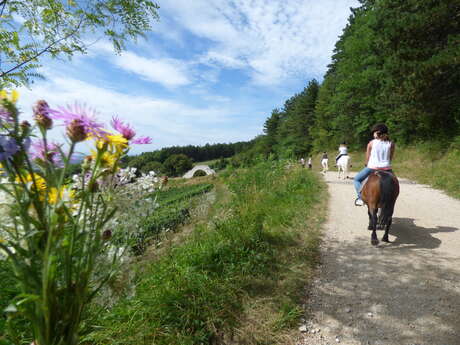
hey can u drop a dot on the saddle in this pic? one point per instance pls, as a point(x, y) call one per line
point(378, 173)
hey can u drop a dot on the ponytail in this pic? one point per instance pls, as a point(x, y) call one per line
point(383, 136)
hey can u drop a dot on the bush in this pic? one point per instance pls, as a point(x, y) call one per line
point(155, 166)
point(220, 164)
point(177, 165)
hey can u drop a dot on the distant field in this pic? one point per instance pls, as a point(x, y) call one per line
point(205, 162)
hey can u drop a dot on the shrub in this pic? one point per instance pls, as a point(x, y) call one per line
point(177, 165)
point(155, 166)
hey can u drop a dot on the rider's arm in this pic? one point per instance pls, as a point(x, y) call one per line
point(368, 151)
point(392, 151)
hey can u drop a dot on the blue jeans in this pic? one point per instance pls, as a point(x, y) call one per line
point(360, 177)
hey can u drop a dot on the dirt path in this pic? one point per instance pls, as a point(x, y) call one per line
point(403, 293)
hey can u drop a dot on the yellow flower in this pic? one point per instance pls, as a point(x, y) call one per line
point(13, 97)
point(116, 143)
point(65, 194)
point(28, 179)
point(107, 159)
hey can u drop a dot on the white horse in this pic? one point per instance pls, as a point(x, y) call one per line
point(342, 166)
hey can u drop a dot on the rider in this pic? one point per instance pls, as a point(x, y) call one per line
point(379, 154)
point(343, 151)
point(324, 161)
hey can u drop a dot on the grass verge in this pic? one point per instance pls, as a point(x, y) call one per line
point(238, 279)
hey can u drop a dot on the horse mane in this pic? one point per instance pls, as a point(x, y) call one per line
point(388, 195)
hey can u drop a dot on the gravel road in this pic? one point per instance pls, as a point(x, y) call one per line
point(406, 292)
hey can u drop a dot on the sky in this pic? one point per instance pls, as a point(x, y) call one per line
point(210, 71)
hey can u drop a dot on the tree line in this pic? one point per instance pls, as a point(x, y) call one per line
point(398, 62)
point(176, 160)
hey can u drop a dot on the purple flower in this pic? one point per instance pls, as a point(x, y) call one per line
point(8, 147)
point(41, 107)
point(84, 117)
point(128, 132)
point(41, 111)
point(142, 140)
point(124, 129)
point(50, 153)
point(5, 115)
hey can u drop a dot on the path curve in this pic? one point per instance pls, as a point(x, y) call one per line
point(403, 293)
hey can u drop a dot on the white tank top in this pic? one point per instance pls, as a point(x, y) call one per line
point(380, 154)
point(343, 150)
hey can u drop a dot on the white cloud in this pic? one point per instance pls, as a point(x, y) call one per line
point(168, 72)
point(273, 39)
point(168, 122)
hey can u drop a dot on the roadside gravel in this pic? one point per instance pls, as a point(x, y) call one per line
point(406, 292)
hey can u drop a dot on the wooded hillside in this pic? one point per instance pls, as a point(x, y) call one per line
point(398, 62)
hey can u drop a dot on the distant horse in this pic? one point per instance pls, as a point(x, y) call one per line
point(342, 166)
point(380, 192)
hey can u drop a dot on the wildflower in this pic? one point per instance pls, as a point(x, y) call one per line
point(86, 165)
point(128, 132)
point(106, 235)
point(41, 111)
point(124, 129)
point(142, 140)
point(25, 125)
point(107, 159)
point(76, 131)
point(12, 97)
point(79, 121)
point(5, 115)
point(29, 178)
point(117, 143)
point(64, 194)
point(8, 147)
point(126, 175)
point(50, 153)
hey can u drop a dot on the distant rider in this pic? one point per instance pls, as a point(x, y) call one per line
point(324, 162)
point(343, 151)
point(379, 154)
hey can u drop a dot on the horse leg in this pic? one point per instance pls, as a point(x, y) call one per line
point(387, 230)
point(374, 239)
point(370, 220)
point(380, 224)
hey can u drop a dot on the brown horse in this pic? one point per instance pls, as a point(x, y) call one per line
point(380, 192)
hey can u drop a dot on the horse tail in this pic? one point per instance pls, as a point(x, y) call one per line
point(388, 193)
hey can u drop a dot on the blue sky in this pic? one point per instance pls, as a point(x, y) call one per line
point(210, 71)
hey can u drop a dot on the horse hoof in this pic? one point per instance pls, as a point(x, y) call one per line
point(374, 241)
point(385, 239)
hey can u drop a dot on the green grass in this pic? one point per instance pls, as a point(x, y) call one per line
point(173, 210)
point(255, 261)
point(440, 169)
point(8, 290)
